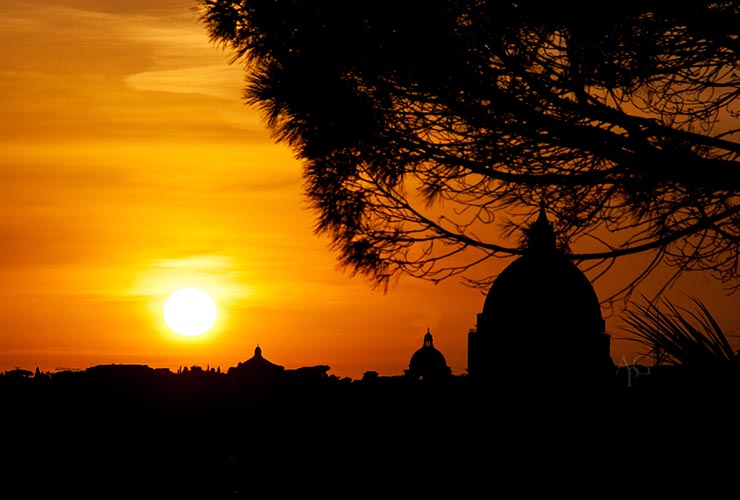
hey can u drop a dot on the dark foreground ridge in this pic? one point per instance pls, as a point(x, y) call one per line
point(130, 431)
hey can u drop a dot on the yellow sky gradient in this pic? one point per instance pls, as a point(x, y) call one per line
point(130, 167)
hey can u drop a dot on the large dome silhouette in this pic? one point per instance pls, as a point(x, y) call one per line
point(540, 314)
point(542, 293)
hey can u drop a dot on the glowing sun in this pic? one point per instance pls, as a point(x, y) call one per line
point(190, 312)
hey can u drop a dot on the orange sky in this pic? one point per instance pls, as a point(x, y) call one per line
point(130, 167)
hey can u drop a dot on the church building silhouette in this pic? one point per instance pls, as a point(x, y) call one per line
point(428, 362)
point(541, 319)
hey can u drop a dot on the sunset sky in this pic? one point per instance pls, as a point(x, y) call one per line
point(130, 167)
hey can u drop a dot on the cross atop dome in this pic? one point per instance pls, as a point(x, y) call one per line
point(540, 235)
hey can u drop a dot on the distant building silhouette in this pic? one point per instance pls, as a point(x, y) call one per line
point(256, 367)
point(541, 318)
point(428, 363)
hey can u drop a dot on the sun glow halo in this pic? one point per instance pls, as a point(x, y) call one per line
point(190, 312)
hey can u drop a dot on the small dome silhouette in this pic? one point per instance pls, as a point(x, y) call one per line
point(256, 367)
point(428, 362)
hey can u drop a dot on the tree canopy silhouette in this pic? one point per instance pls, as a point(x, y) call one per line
point(430, 129)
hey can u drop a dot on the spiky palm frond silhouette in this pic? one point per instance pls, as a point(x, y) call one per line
point(692, 338)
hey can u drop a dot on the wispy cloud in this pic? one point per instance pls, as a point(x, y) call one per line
point(212, 80)
point(161, 50)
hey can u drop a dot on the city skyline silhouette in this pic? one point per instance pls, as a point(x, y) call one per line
point(132, 168)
